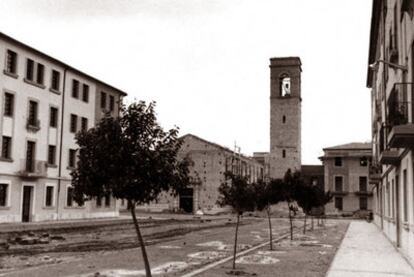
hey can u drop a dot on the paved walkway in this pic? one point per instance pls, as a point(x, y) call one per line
point(366, 252)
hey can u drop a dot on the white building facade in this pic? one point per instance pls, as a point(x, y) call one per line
point(43, 103)
point(391, 78)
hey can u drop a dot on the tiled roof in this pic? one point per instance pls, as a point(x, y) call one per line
point(351, 146)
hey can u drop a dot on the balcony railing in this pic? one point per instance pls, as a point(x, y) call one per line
point(400, 126)
point(32, 168)
point(374, 174)
point(363, 193)
point(33, 124)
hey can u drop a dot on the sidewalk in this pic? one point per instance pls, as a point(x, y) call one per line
point(365, 251)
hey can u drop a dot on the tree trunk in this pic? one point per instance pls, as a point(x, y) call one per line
point(291, 223)
point(235, 241)
point(312, 222)
point(140, 239)
point(270, 228)
point(304, 225)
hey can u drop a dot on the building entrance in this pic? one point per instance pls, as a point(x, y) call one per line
point(27, 203)
point(186, 200)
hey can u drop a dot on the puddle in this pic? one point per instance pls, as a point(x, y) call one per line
point(219, 245)
point(257, 259)
point(216, 244)
point(169, 247)
point(207, 255)
point(161, 269)
point(255, 232)
point(258, 237)
point(274, 252)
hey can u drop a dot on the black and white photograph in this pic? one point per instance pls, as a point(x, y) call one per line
point(206, 138)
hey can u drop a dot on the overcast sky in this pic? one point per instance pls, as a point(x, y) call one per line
point(206, 63)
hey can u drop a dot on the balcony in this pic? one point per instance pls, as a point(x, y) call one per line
point(363, 193)
point(374, 174)
point(32, 169)
point(339, 192)
point(33, 125)
point(389, 157)
point(401, 130)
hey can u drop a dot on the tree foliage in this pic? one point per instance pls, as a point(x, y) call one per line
point(129, 157)
point(237, 192)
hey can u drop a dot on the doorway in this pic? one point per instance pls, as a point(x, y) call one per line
point(186, 200)
point(27, 203)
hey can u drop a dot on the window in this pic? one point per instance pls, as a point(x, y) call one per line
point(51, 155)
point(388, 195)
point(103, 100)
point(11, 62)
point(338, 183)
point(40, 73)
point(284, 119)
point(405, 195)
point(55, 80)
point(98, 201)
point(107, 200)
point(84, 124)
point(6, 147)
point(35, 73)
point(53, 117)
point(73, 123)
point(111, 103)
point(338, 161)
point(32, 119)
point(392, 199)
point(363, 203)
point(363, 183)
point(49, 196)
point(75, 88)
point(8, 104)
point(29, 69)
point(85, 93)
point(69, 197)
point(363, 161)
point(338, 203)
point(284, 153)
point(3, 195)
point(72, 158)
point(284, 86)
point(30, 156)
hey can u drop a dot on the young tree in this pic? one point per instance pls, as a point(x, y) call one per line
point(132, 158)
point(236, 192)
point(307, 199)
point(291, 183)
point(266, 195)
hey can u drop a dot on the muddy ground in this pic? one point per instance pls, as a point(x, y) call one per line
point(175, 247)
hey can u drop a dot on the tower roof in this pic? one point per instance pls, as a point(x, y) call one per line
point(285, 61)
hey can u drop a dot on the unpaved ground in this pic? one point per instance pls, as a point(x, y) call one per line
point(171, 255)
point(182, 248)
point(83, 240)
point(307, 255)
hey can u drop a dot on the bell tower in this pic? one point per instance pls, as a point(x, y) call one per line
point(285, 115)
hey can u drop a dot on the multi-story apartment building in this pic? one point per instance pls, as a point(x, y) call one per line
point(209, 163)
point(390, 77)
point(346, 176)
point(43, 103)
